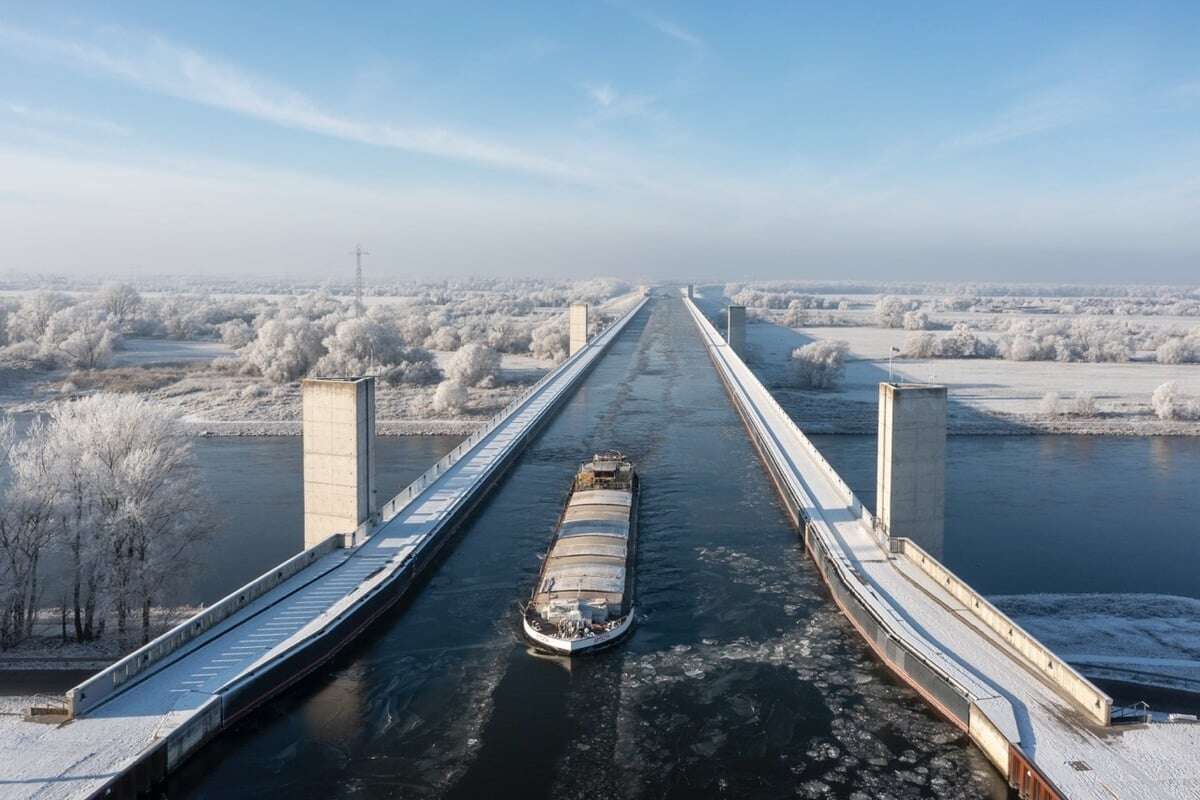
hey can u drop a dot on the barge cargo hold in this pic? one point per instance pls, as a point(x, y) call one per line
point(583, 599)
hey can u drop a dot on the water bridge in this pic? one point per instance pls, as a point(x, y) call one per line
point(1047, 729)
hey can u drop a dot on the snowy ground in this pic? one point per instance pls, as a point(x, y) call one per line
point(1139, 638)
point(220, 402)
point(141, 352)
point(986, 395)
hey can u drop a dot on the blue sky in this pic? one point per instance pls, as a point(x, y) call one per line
point(997, 141)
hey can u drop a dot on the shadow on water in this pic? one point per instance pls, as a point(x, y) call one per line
point(740, 679)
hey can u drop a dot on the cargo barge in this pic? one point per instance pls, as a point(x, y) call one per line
point(583, 599)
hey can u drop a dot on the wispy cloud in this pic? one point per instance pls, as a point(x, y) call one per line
point(33, 115)
point(154, 63)
point(1036, 114)
point(613, 104)
point(674, 31)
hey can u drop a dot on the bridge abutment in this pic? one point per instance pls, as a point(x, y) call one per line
point(911, 464)
point(339, 455)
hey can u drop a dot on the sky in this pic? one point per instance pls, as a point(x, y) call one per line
point(871, 141)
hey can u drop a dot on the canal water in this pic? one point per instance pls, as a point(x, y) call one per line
point(741, 679)
point(1061, 514)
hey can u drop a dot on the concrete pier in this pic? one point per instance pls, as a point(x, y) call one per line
point(579, 327)
point(735, 328)
point(911, 464)
point(339, 456)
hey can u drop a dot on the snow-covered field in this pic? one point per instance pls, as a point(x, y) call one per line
point(222, 390)
point(989, 395)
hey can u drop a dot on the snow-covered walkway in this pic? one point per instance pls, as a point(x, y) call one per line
point(1082, 758)
point(77, 758)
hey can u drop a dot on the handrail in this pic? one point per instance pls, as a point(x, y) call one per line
point(803, 499)
point(414, 489)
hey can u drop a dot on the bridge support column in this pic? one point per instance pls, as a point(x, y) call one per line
point(911, 465)
point(691, 291)
point(339, 455)
point(735, 329)
point(579, 327)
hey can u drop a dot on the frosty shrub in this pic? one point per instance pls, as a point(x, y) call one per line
point(551, 340)
point(474, 365)
point(79, 337)
point(1179, 350)
point(444, 338)
point(416, 368)
point(1082, 405)
point(819, 365)
point(358, 345)
point(916, 321)
point(961, 342)
point(1049, 404)
point(236, 333)
point(508, 336)
point(1169, 403)
point(921, 345)
point(120, 302)
point(450, 397)
point(890, 311)
point(284, 349)
point(28, 322)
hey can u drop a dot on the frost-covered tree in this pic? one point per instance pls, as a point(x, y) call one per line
point(1049, 404)
point(357, 346)
point(474, 365)
point(890, 311)
point(921, 345)
point(916, 321)
point(551, 341)
point(962, 342)
point(28, 322)
point(508, 336)
point(1082, 405)
point(444, 338)
point(450, 397)
point(236, 333)
point(80, 337)
point(285, 349)
point(1169, 402)
point(27, 510)
point(120, 301)
point(819, 365)
point(1179, 350)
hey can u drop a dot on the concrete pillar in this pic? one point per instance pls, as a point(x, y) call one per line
point(735, 328)
point(691, 291)
point(579, 327)
point(339, 455)
point(911, 465)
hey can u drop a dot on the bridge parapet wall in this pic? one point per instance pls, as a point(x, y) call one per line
point(148, 658)
point(1095, 703)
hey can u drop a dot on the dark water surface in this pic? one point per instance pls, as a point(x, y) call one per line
point(1060, 514)
point(740, 680)
point(256, 483)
